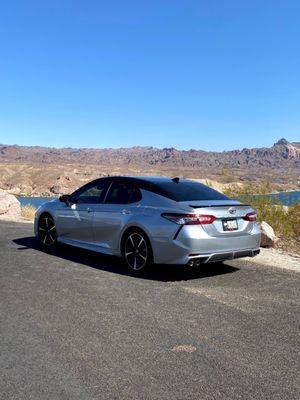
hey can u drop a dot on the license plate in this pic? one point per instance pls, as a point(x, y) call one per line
point(230, 225)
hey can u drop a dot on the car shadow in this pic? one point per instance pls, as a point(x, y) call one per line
point(164, 273)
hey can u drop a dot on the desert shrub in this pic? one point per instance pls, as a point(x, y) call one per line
point(285, 221)
point(294, 218)
point(28, 212)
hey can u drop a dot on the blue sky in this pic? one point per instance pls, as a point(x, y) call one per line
point(211, 75)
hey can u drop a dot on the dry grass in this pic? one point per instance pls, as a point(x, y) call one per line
point(28, 212)
point(284, 220)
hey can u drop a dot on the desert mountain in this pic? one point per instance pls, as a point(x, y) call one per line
point(281, 153)
point(44, 170)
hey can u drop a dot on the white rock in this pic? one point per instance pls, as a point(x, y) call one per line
point(9, 205)
point(268, 237)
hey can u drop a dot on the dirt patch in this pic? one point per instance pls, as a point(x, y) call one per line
point(184, 348)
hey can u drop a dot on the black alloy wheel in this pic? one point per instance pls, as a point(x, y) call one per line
point(47, 231)
point(137, 251)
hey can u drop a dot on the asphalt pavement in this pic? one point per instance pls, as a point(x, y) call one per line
point(77, 325)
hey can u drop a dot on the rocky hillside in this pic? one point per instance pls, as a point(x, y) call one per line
point(281, 154)
point(43, 170)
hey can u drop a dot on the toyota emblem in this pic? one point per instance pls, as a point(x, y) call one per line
point(232, 210)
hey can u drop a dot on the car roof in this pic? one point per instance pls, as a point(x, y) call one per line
point(150, 179)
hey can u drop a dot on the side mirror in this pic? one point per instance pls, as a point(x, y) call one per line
point(64, 198)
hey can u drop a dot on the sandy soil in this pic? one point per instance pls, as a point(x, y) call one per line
point(277, 258)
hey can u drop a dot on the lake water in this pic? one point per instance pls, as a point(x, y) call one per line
point(284, 198)
point(33, 201)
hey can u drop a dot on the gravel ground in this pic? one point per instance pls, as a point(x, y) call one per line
point(277, 259)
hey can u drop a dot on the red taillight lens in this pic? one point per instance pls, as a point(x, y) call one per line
point(252, 217)
point(182, 219)
point(206, 219)
point(189, 219)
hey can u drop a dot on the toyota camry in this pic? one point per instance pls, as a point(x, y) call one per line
point(148, 220)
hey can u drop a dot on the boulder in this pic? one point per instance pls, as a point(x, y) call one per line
point(9, 205)
point(268, 237)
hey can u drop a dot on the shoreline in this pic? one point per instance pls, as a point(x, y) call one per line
point(200, 180)
point(278, 192)
point(276, 197)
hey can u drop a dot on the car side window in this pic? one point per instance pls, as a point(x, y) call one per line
point(92, 194)
point(123, 193)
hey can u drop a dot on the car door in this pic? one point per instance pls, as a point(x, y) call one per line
point(119, 207)
point(75, 218)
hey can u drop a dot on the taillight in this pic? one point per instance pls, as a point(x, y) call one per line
point(206, 219)
point(189, 219)
point(251, 217)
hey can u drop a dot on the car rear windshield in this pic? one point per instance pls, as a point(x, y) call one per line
point(188, 191)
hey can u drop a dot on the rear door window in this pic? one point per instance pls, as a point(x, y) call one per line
point(122, 192)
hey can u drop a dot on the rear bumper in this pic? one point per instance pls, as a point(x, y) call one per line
point(218, 257)
point(194, 244)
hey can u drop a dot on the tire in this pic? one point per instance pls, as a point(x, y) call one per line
point(47, 234)
point(136, 250)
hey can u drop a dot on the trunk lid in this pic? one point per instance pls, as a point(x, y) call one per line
point(223, 211)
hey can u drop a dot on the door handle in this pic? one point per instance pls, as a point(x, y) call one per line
point(125, 211)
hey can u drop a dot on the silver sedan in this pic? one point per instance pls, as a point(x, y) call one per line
point(149, 220)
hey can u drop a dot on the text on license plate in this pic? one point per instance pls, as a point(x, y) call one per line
point(230, 225)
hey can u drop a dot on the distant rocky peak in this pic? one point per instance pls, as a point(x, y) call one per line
point(281, 142)
point(287, 150)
